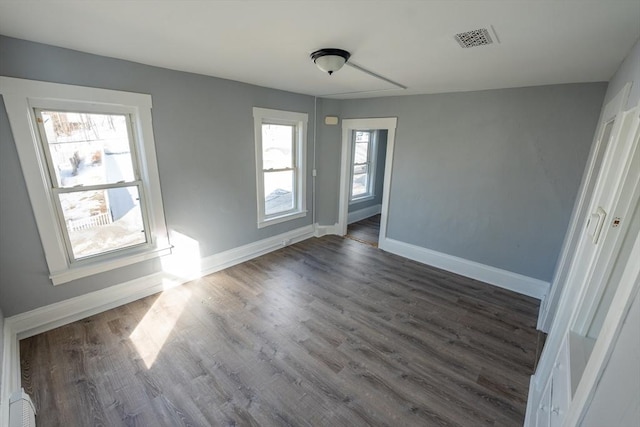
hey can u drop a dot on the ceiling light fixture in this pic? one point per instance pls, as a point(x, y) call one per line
point(330, 60)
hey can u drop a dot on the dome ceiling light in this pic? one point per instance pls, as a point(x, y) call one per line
point(330, 60)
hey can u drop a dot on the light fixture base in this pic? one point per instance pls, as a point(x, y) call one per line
point(330, 60)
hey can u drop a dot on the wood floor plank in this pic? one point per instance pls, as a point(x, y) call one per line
point(366, 230)
point(327, 332)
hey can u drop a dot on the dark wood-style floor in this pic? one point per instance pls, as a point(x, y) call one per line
point(327, 332)
point(366, 230)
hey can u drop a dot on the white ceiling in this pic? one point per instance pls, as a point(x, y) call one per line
point(411, 42)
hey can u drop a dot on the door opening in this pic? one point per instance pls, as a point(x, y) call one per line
point(365, 178)
point(368, 155)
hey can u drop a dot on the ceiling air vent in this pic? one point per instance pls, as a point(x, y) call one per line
point(474, 38)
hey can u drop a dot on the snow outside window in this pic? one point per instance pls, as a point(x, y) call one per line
point(94, 180)
point(280, 138)
point(88, 158)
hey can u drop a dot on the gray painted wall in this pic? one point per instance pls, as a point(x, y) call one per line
point(381, 156)
point(328, 145)
point(203, 130)
point(488, 176)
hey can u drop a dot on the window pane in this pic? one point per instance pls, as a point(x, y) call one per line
point(360, 169)
point(360, 182)
point(103, 220)
point(362, 136)
point(277, 146)
point(278, 190)
point(88, 149)
point(361, 152)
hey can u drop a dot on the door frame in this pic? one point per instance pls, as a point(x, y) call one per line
point(627, 195)
point(623, 167)
point(590, 269)
point(348, 126)
point(550, 305)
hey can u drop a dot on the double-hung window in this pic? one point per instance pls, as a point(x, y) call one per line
point(95, 180)
point(363, 167)
point(280, 138)
point(89, 162)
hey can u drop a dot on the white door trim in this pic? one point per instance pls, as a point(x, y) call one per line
point(42, 319)
point(624, 163)
point(607, 339)
point(550, 304)
point(349, 125)
point(590, 268)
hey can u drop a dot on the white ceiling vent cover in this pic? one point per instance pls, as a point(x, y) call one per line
point(474, 38)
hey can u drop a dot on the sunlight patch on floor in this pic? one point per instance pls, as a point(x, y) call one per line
point(151, 334)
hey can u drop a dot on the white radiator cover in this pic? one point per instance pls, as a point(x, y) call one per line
point(22, 413)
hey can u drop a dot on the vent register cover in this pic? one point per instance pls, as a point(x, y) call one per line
point(474, 38)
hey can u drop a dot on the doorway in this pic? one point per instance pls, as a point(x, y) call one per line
point(364, 199)
point(366, 183)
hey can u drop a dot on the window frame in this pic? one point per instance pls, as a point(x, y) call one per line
point(371, 166)
point(22, 98)
point(56, 189)
point(288, 118)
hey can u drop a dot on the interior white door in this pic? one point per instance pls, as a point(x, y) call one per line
point(615, 200)
point(599, 232)
point(608, 119)
point(601, 251)
point(608, 297)
point(590, 261)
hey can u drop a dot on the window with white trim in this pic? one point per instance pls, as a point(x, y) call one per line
point(280, 138)
point(363, 155)
point(88, 157)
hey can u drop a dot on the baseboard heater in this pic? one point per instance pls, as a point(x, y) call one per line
point(22, 413)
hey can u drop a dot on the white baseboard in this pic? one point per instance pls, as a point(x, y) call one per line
point(45, 318)
point(323, 230)
point(51, 316)
point(529, 417)
point(361, 214)
point(61, 313)
point(244, 253)
point(54, 315)
point(505, 279)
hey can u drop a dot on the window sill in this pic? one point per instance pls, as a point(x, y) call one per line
point(282, 218)
point(78, 272)
point(361, 199)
